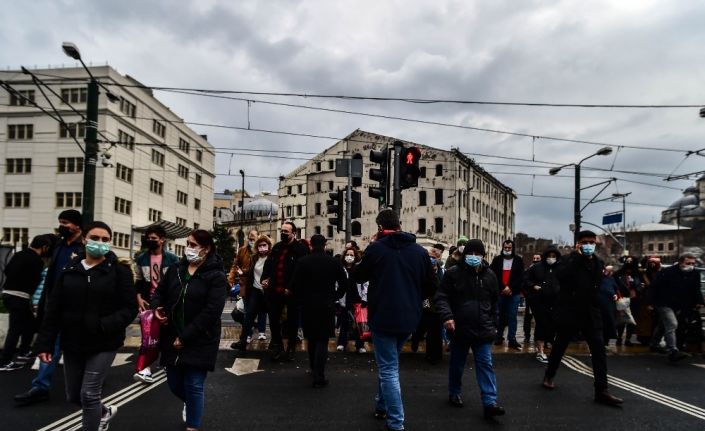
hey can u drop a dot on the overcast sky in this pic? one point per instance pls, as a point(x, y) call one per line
point(558, 52)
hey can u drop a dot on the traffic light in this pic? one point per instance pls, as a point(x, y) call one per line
point(409, 171)
point(334, 206)
point(380, 175)
point(356, 204)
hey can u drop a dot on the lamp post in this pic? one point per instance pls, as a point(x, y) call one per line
point(91, 140)
point(604, 151)
point(624, 216)
point(242, 210)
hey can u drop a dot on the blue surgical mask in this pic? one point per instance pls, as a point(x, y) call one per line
point(588, 249)
point(97, 248)
point(473, 261)
point(433, 261)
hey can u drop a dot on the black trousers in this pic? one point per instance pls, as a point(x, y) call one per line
point(280, 328)
point(429, 327)
point(254, 305)
point(593, 336)
point(22, 326)
point(317, 357)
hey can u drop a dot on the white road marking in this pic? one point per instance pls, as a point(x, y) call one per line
point(121, 359)
point(243, 367)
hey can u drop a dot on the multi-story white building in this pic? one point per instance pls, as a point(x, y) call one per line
point(455, 197)
point(158, 168)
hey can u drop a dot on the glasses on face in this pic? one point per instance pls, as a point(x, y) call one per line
point(99, 238)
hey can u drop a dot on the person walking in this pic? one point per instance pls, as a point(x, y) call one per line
point(578, 308)
point(542, 289)
point(467, 304)
point(355, 293)
point(91, 305)
point(509, 270)
point(22, 276)
point(319, 281)
point(68, 248)
point(400, 276)
point(151, 267)
point(430, 323)
point(609, 294)
point(632, 286)
point(188, 304)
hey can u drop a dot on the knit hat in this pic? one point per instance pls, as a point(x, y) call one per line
point(474, 246)
point(462, 240)
point(73, 216)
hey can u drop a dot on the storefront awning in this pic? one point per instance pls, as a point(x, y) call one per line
point(173, 230)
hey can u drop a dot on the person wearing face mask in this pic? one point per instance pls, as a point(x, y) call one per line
point(455, 253)
point(675, 294)
point(542, 287)
point(254, 302)
point(467, 303)
point(91, 305)
point(22, 276)
point(242, 262)
point(151, 267)
point(68, 248)
point(509, 270)
point(610, 291)
point(188, 304)
point(578, 310)
point(276, 280)
point(631, 285)
point(355, 293)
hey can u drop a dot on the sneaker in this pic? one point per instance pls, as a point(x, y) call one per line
point(262, 337)
point(183, 413)
point(340, 348)
point(11, 366)
point(107, 417)
point(361, 350)
point(23, 358)
point(677, 355)
point(513, 344)
point(249, 339)
point(541, 357)
point(145, 378)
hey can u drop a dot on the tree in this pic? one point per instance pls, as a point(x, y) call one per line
point(224, 242)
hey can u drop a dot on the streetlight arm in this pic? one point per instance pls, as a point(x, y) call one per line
point(605, 231)
point(598, 194)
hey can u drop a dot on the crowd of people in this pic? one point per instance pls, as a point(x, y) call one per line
point(78, 297)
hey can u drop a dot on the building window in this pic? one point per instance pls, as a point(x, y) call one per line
point(159, 128)
point(197, 203)
point(438, 225)
point(670, 246)
point(18, 166)
point(317, 230)
point(121, 240)
point(288, 190)
point(74, 95)
point(439, 197)
point(179, 249)
point(182, 197)
point(300, 188)
point(356, 228)
point(69, 165)
point(330, 185)
point(15, 235)
point(183, 171)
point(156, 186)
point(16, 200)
point(288, 211)
point(180, 221)
point(126, 140)
point(422, 226)
point(124, 173)
point(299, 210)
point(157, 158)
point(123, 206)
point(199, 155)
point(660, 246)
point(330, 232)
point(154, 215)
point(196, 226)
point(422, 198)
point(318, 208)
point(69, 199)
point(423, 172)
point(331, 164)
point(72, 130)
point(439, 170)
point(22, 98)
point(318, 187)
point(184, 145)
point(318, 166)
point(128, 108)
point(198, 179)
point(20, 132)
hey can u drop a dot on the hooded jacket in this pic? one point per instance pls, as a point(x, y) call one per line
point(400, 276)
point(470, 299)
point(544, 275)
point(676, 289)
point(143, 285)
point(89, 307)
point(516, 276)
point(204, 300)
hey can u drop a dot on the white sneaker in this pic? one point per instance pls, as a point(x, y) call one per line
point(183, 413)
point(145, 378)
point(262, 337)
point(107, 417)
point(541, 357)
point(340, 348)
point(361, 350)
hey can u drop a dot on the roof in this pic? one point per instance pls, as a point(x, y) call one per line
point(173, 230)
point(657, 227)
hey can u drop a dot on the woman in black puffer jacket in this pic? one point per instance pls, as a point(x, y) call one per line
point(188, 303)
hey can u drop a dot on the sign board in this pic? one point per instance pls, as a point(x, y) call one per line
point(341, 168)
point(612, 218)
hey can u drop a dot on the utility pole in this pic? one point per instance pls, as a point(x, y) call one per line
point(348, 203)
point(241, 237)
point(91, 156)
point(576, 205)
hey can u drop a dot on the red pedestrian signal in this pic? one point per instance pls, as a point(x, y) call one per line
point(409, 171)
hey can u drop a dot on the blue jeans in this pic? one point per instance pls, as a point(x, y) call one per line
point(508, 309)
point(46, 371)
point(388, 398)
point(187, 383)
point(484, 372)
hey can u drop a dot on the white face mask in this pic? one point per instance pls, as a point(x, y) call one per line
point(687, 268)
point(461, 249)
point(193, 255)
point(350, 259)
point(551, 260)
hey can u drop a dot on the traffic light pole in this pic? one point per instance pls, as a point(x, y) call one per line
point(348, 204)
point(91, 156)
point(398, 146)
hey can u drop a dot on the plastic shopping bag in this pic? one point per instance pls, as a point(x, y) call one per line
point(363, 328)
point(149, 349)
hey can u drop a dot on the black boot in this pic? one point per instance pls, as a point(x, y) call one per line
point(493, 410)
point(32, 396)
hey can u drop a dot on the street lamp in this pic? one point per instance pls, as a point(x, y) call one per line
point(604, 151)
point(91, 140)
point(242, 209)
point(623, 196)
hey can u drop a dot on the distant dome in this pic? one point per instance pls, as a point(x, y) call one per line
point(261, 207)
point(688, 199)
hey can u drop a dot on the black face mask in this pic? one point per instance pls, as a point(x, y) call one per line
point(152, 244)
point(65, 232)
point(284, 237)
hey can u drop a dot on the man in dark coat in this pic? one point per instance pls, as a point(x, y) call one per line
point(580, 277)
point(509, 270)
point(319, 280)
point(400, 276)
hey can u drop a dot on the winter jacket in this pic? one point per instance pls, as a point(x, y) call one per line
point(203, 302)
point(400, 276)
point(71, 251)
point(470, 299)
point(89, 307)
point(516, 276)
point(243, 262)
point(294, 251)
point(544, 275)
point(580, 280)
point(23, 273)
point(676, 289)
point(143, 285)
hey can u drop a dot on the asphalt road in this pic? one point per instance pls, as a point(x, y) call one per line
point(657, 396)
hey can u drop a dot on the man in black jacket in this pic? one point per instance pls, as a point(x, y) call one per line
point(580, 276)
point(314, 287)
point(276, 281)
point(509, 270)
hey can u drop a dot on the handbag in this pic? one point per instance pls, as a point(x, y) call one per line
point(363, 328)
point(149, 349)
